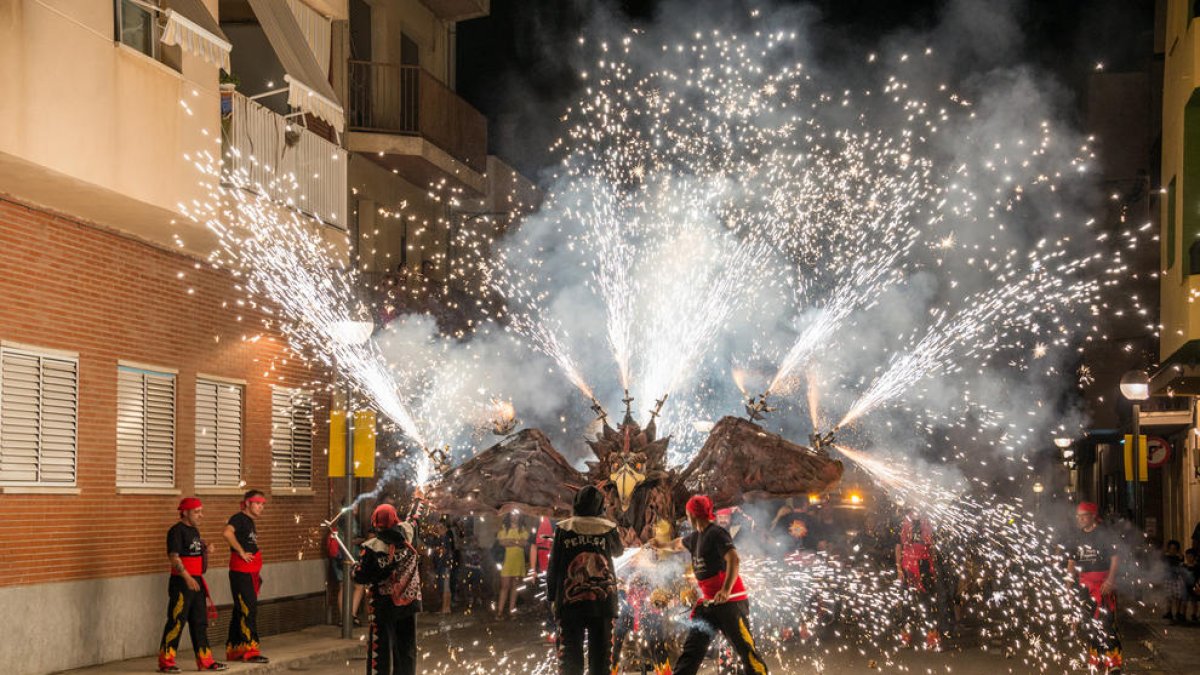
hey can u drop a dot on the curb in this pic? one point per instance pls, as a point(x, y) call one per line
point(337, 654)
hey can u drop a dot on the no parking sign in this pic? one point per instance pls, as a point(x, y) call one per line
point(1158, 452)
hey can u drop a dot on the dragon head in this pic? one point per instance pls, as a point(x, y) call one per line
point(629, 455)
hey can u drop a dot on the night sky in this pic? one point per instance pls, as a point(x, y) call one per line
point(514, 64)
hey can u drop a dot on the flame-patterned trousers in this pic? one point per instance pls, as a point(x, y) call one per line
point(185, 607)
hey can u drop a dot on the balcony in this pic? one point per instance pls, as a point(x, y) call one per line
point(458, 10)
point(265, 147)
point(406, 120)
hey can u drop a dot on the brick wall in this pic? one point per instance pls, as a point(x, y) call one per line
point(70, 286)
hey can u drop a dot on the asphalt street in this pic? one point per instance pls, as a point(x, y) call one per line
point(470, 645)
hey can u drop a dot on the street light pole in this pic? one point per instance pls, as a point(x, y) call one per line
point(348, 522)
point(349, 333)
point(1137, 464)
point(1135, 386)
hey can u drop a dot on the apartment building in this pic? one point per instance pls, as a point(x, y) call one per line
point(1177, 381)
point(129, 374)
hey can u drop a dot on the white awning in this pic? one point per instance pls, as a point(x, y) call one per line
point(316, 30)
point(301, 97)
point(189, 25)
point(308, 88)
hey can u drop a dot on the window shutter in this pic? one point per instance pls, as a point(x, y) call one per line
point(291, 437)
point(145, 428)
point(281, 437)
point(60, 389)
point(302, 440)
point(218, 433)
point(38, 397)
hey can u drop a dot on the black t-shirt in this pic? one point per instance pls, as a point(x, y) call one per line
point(245, 532)
point(1092, 551)
point(185, 541)
point(708, 549)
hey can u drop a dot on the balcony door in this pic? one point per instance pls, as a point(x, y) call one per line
point(410, 73)
point(364, 105)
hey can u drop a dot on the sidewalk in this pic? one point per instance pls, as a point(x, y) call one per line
point(1172, 650)
point(319, 644)
point(289, 651)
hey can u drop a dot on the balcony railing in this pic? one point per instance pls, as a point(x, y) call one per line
point(385, 97)
point(264, 149)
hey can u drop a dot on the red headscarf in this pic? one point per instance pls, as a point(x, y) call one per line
point(189, 503)
point(1088, 507)
point(385, 517)
point(700, 506)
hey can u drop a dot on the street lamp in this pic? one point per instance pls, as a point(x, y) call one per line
point(350, 333)
point(1062, 442)
point(1037, 490)
point(1135, 386)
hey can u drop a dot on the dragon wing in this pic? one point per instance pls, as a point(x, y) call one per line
point(523, 472)
point(741, 461)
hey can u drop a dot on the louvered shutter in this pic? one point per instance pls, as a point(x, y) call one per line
point(38, 414)
point(281, 437)
point(60, 387)
point(302, 440)
point(145, 428)
point(218, 433)
point(291, 437)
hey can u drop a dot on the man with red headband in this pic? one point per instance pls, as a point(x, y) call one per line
point(389, 566)
point(915, 569)
point(1092, 561)
point(245, 568)
point(189, 600)
point(726, 605)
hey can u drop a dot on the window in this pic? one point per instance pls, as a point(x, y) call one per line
point(1171, 226)
point(145, 427)
point(291, 437)
point(218, 432)
point(39, 392)
point(1188, 198)
point(137, 26)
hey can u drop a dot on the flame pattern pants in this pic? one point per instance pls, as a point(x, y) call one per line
point(571, 629)
point(185, 606)
point(242, 642)
point(1104, 644)
point(732, 619)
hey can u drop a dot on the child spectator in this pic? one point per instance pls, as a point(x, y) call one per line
point(1177, 584)
point(1191, 566)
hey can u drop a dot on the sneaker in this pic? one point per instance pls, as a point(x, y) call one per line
point(168, 669)
point(258, 658)
point(215, 666)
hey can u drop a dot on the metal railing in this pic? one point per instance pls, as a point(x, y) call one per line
point(389, 98)
point(284, 160)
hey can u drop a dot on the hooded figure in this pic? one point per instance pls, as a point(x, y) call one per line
point(389, 566)
point(581, 584)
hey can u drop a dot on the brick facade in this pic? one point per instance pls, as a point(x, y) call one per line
point(71, 286)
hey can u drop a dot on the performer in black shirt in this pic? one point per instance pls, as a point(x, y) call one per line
point(581, 584)
point(1092, 560)
point(245, 579)
point(389, 564)
point(188, 593)
point(726, 606)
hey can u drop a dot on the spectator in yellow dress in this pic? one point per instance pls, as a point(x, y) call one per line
point(513, 538)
